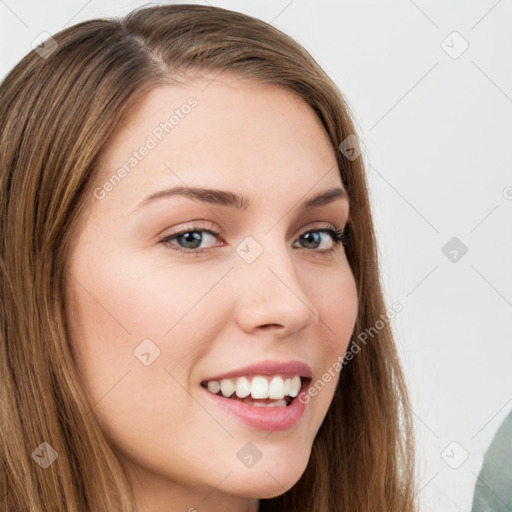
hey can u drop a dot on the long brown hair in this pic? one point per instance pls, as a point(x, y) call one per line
point(58, 107)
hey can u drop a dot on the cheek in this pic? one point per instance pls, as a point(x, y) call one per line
point(116, 304)
point(115, 310)
point(338, 308)
point(129, 298)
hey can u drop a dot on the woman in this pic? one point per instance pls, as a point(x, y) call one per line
point(192, 314)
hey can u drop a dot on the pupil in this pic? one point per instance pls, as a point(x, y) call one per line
point(191, 237)
point(316, 236)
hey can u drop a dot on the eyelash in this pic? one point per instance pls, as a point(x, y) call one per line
point(338, 236)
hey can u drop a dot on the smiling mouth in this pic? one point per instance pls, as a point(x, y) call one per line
point(260, 391)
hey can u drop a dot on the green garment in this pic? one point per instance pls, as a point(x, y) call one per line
point(493, 489)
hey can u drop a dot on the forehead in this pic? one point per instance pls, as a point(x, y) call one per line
point(218, 131)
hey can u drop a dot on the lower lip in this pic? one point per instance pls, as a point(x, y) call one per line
point(269, 419)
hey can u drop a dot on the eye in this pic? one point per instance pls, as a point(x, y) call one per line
point(189, 241)
point(337, 236)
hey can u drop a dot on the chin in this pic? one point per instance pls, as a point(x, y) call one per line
point(267, 482)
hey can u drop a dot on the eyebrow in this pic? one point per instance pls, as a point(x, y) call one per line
point(232, 200)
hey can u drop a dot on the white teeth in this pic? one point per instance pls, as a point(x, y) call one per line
point(260, 387)
point(214, 386)
point(287, 386)
point(276, 388)
point(243, 387)
point(227, 386)
point(278, 403)
point(295, 386)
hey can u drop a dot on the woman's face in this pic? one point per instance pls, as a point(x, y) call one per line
point(153, 316)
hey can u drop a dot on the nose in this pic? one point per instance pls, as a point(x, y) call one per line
point(273, 295)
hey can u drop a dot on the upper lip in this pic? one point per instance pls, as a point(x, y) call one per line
point(285, 368)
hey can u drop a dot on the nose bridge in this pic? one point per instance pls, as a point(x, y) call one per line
point(272, 292)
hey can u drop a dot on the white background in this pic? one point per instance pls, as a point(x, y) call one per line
point(437, 131)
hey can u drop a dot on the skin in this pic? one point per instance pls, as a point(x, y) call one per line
point(211, 312)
